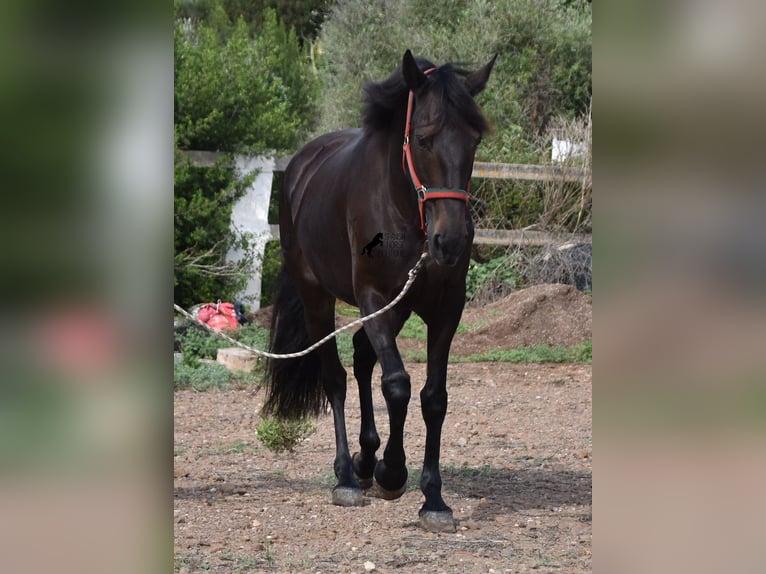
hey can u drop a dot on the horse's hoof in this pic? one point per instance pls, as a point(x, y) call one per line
point(347, 496)
point(437, 521)
point(365, 483)
point(378, 491)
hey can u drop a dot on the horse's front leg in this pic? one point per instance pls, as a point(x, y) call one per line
point(435, 515)
point(390, 471)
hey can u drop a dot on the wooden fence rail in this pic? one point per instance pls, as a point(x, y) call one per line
point(486, 170)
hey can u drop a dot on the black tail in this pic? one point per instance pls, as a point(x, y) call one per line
point(294, 389)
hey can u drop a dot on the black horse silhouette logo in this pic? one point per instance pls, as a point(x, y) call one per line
point(377, 240)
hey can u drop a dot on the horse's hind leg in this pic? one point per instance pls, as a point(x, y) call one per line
point(320, 321)
point(364, 362)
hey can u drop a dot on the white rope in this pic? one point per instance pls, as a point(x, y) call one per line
point(411, 274)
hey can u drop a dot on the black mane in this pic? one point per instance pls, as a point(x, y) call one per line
point(384, 100)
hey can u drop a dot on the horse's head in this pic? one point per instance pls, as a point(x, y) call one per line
point(444, 130)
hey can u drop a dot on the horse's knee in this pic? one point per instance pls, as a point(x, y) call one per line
point(433, 404)
point(396, 388)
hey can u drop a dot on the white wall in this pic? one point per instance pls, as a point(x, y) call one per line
point(250, 215)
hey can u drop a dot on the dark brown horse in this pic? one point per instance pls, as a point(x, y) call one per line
point(356, 212)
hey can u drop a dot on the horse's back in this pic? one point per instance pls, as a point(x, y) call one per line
point(305, 169)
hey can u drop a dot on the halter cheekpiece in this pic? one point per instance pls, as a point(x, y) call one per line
point(424, 193)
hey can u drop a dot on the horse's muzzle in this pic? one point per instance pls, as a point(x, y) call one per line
point(446, 249)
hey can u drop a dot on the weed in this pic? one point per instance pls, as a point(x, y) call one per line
point(267, 552)
point(282, 435)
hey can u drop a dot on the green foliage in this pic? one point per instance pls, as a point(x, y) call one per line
point(270, 266)
point(235, 93)
point(198, 343)
point(497, 273)
point(543, 68)
point(305, 16)
point(209, 376)
point(282, 435)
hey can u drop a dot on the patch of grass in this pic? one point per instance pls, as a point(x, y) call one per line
point(237, 447)
point(468, 471)
point(346, 310)
point(241, 564)
point(533, 354)
point(282, 435)
point(345, 342)
point(414, 328)
point(542, 353)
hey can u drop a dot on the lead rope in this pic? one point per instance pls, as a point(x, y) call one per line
point(411, 275)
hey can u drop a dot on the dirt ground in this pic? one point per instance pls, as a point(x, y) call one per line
point(516, 467)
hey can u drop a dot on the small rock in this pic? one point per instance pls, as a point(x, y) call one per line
point(369, 566)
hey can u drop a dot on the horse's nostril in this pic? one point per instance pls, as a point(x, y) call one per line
point(437, 240)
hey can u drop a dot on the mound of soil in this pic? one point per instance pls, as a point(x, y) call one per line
point(551, 313)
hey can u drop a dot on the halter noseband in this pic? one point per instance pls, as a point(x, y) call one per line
point(424, 194)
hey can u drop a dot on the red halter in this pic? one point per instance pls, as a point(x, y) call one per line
point(424, 194)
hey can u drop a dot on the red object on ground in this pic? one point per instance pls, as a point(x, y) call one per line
point(219, 316)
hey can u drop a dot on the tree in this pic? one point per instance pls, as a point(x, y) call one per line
point(237, 93)
point(543, 69)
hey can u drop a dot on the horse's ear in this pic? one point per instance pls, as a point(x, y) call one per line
point(413, 76)
point(477, 81)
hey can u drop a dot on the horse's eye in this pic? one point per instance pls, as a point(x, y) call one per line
point(424, 142)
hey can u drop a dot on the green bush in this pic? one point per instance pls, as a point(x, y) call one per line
point(237, 93)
